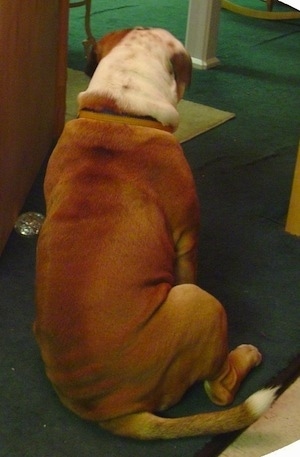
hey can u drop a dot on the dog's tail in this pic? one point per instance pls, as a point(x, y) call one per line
point(147, 426)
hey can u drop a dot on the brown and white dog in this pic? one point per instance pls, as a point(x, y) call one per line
point(123, 330)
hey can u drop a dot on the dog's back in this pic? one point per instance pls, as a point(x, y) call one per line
point(123, 329)
point(106, 252)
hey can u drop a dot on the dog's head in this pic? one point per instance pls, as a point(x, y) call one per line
point(180, 63)
point(103, 47)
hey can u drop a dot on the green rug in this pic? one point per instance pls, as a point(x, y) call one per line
point(243, 171)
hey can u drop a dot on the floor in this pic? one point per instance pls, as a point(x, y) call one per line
point(279, 427)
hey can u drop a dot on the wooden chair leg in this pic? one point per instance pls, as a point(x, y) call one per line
point(90, 40)
point(259, 13)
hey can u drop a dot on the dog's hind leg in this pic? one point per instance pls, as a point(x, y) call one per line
point(223, 387)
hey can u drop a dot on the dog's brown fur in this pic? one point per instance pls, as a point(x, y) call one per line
point(122, 328)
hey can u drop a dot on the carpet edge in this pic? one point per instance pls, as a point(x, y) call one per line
point(283, 378)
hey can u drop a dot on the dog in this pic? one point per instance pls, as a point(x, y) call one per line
point(122, 327)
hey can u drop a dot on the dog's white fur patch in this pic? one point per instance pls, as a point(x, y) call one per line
point(260, 401)
point(138, 73)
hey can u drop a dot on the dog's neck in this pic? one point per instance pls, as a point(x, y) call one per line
point(140, 89)
point(110, 116)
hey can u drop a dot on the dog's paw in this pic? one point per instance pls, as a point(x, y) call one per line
point(222, 389)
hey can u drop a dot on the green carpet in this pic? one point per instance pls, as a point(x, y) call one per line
point(243, 171)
